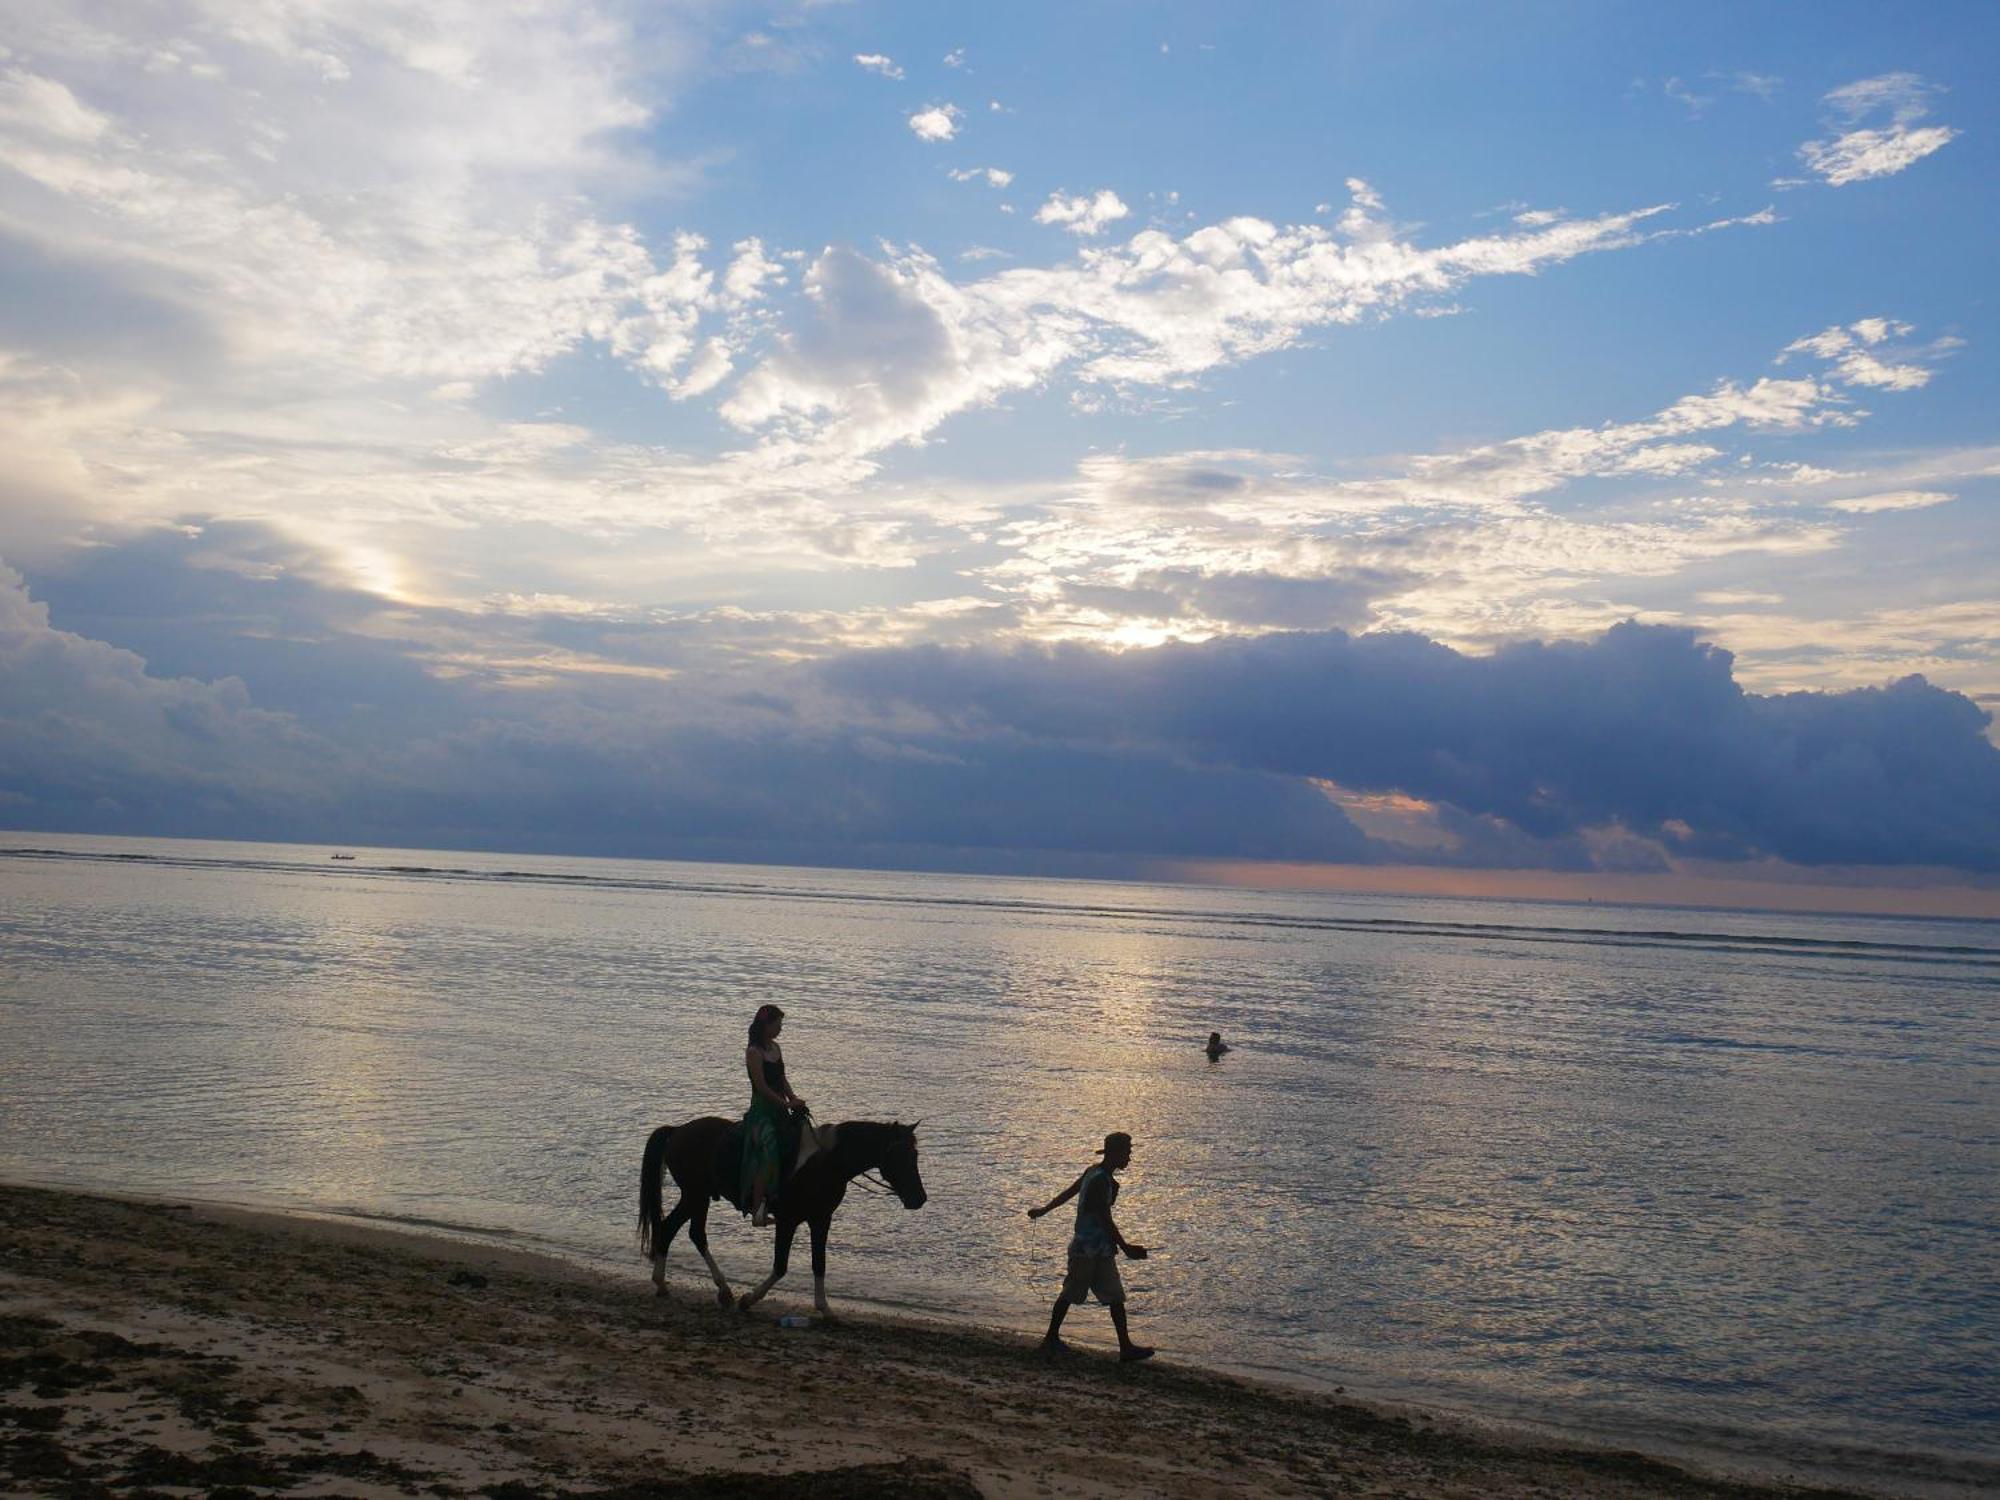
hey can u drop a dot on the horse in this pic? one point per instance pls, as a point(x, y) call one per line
point(810, 1196)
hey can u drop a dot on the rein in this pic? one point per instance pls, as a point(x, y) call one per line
point(868, 1179)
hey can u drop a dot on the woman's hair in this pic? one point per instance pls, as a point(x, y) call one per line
point(766, 1014)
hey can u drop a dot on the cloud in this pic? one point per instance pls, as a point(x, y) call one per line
point(1860, 153)
point(1764, 85)
point(1156, 311)
point(1681, 94)
point(955, 58)
point(1641, 728)
point(1080, 214)
point(1892, 500)
point(361, 195)
point(275, 700)
point(937, 123)
point(36, 106)
point(88, 737)
point(875, 62)
point(994, 176)
point(591, 762)
point(1852, 349)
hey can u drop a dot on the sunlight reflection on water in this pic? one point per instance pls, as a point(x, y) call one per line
point(1746, 1179)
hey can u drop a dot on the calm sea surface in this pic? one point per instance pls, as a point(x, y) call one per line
point(1724, 1177)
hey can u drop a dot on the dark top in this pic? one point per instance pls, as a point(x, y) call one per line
point(774, 1076)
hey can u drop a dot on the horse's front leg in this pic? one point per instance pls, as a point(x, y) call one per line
point(698, 1232)
point(819, 1229)
point(781, 1255)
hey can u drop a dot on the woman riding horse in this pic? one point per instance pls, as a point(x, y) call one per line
point(765, 1122)
point(696, 1157)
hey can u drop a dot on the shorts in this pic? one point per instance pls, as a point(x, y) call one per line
point(1093, 1275)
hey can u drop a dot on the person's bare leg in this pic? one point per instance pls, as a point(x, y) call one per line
point(1127, 1350)
point(1054, 1337)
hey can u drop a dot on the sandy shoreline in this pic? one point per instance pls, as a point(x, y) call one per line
point(171, 1348)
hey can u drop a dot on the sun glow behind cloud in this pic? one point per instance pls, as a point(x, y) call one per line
point(500, 365)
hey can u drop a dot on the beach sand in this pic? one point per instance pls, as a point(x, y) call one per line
point(165, 1348)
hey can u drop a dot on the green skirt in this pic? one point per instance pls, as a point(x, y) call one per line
point(762, 1138)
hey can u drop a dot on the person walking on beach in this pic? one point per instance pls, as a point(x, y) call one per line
point(1094, 1248)
point(765, 1123)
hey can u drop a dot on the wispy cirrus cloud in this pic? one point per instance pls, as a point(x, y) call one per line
point(1861, 152)
point(876, 63)
point(895, 346)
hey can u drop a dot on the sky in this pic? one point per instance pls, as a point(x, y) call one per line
point(1535, 447)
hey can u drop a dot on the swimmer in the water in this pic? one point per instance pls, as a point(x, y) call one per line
point(1216, 1045)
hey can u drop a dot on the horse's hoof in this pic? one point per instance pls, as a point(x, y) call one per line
point(659, 1289)
point(743, 1303)
point(724, 1298)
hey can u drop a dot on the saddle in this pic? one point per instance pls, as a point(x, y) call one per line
point(726, 1170)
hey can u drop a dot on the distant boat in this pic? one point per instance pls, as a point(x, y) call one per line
point(342, 856)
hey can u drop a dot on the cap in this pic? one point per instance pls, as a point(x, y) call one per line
point(1115, 1141)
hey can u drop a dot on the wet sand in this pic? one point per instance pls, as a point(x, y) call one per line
point(164, 1349)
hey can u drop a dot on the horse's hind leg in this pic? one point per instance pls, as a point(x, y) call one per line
point(698, 1232)
point(669, 1227)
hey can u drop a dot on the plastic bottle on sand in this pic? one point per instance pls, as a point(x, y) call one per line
point(795, 1320)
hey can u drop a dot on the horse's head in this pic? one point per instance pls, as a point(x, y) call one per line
point(899, 1165)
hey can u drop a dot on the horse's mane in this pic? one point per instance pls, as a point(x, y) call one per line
point(869, 1133)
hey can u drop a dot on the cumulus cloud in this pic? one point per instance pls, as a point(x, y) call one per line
point(875, 62)
point(1862, 152)
point(937, 123)
point(1083, 214)
point(1642, 728)
point(994, 176)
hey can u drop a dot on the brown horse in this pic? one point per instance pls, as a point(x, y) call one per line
point(695, 1155)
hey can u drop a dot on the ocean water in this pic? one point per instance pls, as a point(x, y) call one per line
point(1726, 1179)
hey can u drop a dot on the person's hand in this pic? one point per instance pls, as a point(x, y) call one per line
point(800, 1105)
point(1036, 1213)
point(1135, 1252)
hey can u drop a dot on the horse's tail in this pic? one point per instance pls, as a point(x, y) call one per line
point(651, 1167)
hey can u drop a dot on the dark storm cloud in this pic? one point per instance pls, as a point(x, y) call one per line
point(1644, 727)
point(370, 746)
point(219, 679)
point(236, 599)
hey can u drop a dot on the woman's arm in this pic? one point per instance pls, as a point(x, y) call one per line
point(1059, 1200)
point(790, 1098)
